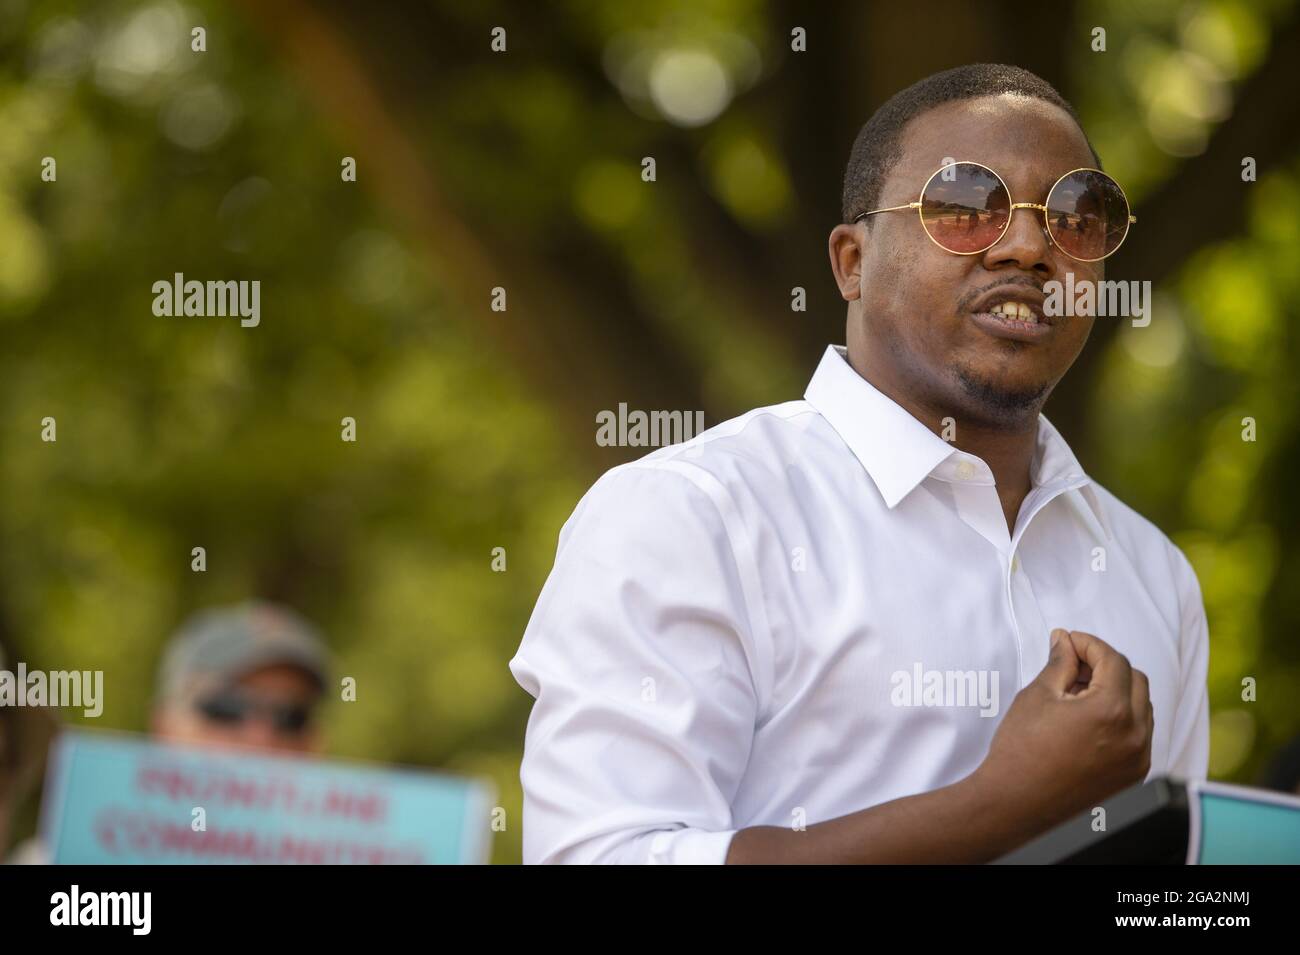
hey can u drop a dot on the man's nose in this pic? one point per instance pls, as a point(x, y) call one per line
point(1025, 244)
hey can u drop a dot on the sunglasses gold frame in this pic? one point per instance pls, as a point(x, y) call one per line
point(1047, 229)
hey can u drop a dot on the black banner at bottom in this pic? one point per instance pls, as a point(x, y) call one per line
point(212, 904)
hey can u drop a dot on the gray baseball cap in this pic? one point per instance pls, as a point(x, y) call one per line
point(216, 647)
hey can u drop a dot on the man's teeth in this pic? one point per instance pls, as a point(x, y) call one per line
point(1016, 311)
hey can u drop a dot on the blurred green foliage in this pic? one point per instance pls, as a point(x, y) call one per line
point(473, 426)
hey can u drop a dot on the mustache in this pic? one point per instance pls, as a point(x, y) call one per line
point(968, 300)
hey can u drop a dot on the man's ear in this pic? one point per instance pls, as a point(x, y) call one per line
point(845, 246)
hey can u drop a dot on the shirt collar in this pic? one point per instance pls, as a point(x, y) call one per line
point(899, 452)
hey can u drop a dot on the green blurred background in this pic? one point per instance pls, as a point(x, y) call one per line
point(475, 427)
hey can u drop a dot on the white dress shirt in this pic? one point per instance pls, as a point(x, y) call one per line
point(815, 608)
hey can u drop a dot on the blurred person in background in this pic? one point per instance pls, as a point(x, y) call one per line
point(251, 675)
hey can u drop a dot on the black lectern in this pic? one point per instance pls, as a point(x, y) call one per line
point(1166, 821)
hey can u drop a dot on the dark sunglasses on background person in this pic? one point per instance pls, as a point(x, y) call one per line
point(966, 208)
point(233, 708)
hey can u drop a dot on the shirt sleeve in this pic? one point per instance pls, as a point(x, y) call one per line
point(640, 658)
point(1190, 743)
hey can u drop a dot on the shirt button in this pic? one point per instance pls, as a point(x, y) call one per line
point(965, 470)
point(1015, 563)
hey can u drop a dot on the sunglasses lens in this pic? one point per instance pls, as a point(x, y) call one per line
point(291, 719)
point(1087, 214)
point(224, 709)
point(965, 207)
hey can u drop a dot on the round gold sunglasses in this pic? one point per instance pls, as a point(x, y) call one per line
point(966, 208)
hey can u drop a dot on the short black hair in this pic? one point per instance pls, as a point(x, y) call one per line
point(879, 142)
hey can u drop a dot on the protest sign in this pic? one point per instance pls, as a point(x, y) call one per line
point(1241, 825)
point(115, 798)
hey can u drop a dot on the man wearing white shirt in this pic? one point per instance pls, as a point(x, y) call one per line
point(894, 621)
